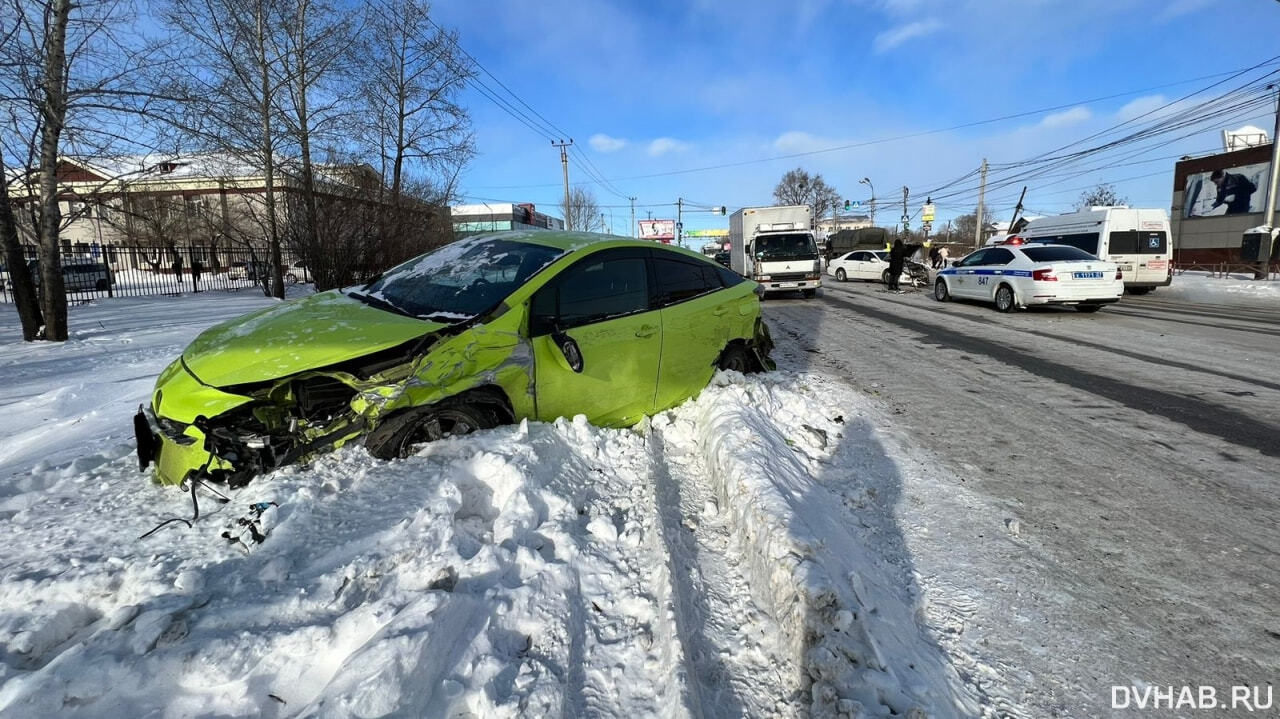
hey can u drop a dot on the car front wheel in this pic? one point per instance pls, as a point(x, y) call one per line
point(1004, 299)
point(401, 435)
point(840, 275)
point(940, 292)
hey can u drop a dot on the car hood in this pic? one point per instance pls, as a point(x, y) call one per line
point(285, 339)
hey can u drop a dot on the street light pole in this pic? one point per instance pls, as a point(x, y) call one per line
point(867, 181)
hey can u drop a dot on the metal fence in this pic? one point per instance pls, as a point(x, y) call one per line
point(135, 271)
point(1227, 269)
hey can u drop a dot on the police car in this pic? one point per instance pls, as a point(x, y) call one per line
point(1013, 275)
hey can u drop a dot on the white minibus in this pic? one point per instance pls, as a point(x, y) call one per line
point(1137, 240)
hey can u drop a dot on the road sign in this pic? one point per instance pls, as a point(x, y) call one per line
point(926, 213)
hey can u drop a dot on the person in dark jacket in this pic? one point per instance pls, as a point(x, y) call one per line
point(1234, 186)
point(897, 256)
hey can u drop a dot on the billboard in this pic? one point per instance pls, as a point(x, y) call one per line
point(1234, 191)
point(660, 230)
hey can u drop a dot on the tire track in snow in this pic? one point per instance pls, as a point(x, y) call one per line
point(731, 661)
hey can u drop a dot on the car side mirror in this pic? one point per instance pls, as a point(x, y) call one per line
point(569, 348)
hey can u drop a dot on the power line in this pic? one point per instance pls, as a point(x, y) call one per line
point(896, 138)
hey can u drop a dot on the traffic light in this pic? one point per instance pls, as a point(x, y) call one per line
point(846, 205)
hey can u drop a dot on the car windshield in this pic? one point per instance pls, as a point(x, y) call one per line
point(457, 281)
point(1057, 254)
point(785, 247)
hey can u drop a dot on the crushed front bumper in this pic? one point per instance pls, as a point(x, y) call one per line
point(175, 455)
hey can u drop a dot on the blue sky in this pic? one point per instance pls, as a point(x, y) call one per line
point(656, 88)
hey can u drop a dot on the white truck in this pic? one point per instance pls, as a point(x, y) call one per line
point(775, 247)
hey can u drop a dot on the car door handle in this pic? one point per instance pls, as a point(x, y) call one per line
point(720, 311)
point(646, 331)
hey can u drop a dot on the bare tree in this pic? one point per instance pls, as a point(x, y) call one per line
point(70, 83)
point(965, 226)
point(1103, 195)
point(798, 187)
point(24, 289)
point(316, 41)
point(583, 212)
point(415, 71)
point(230, 85)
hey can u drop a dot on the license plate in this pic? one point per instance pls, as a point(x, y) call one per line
point(1087, 275)
point(788, 284)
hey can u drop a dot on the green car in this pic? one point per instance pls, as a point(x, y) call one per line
point(484, 331)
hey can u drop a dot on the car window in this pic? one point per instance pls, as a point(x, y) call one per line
point(459, 280)
point(678, 280)
point(596, 289)
point(977, 258)
point(728, 278)
point(997, 256)
point(1056, 254)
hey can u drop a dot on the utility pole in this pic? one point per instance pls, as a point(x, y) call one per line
point(982, 191)
point(564, 163)
point(679, 219)
point(633, 216)
point(906, 219)
point(1269, 214)
point(1017, 210)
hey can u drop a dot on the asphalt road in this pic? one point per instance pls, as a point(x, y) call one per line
point(1138, 450)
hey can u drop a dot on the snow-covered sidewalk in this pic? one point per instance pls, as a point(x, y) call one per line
point(768, 549)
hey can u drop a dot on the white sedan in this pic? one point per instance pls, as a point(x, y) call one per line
point(861, 265)
point(1014, 276)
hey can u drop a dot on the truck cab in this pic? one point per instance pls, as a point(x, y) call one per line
point(775, 247)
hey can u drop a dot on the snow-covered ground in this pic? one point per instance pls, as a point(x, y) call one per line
point(776, 547)
point(1201, 287)
point(738, 555)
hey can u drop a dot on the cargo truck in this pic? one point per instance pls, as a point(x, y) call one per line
point(775, 247)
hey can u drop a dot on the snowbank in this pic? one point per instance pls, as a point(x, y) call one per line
point(524, 571)
point(1236, 290)
point(841, 591)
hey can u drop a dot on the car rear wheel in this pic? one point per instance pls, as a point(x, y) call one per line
point(1088, 308)
point(1138, 290)
point(400, 435)
point(940, 292)
point(737, 358)
point(1004, 299)
point(840, 275)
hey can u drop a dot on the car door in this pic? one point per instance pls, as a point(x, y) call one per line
point(600, 308)
point(967, 273)
point(696, 322)
point(995, 266)
point(869, 266)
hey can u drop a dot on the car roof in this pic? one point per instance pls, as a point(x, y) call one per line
point(579, 241)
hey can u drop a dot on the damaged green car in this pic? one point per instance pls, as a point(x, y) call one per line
point(481, 332)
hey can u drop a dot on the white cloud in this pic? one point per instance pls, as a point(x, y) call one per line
point(603, 143)
point(1183, 7)
point(1141, 106)
point(1073, 116)
point(663, 145)
point(794, 141)
point(894, 37)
